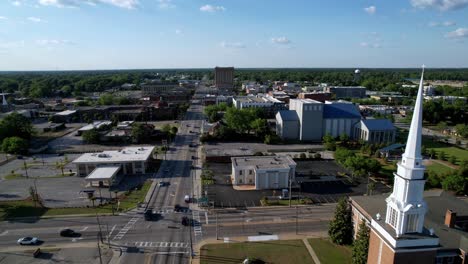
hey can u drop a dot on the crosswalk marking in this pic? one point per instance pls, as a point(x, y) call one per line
point(148, 244)
point(125, 229)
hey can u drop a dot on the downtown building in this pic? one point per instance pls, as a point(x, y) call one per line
point(224, 78)
point(410, 225)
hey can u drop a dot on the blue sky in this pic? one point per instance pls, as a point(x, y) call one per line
point(134, 34)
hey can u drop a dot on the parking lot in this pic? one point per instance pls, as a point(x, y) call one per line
point(54, 189)
point(309, 184)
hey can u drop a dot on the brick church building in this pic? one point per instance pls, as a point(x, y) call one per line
point(410, 225)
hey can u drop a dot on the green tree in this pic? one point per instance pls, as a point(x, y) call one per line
point(432, 153)
point(60, 165)
point(166, 129)
point(91, 136)
point(441, 155)
point(361, 245)
point(453, 159)
point(106, 99)
point(340, 228)
point(16, 125)
point(140, 133)
point(341, 154)
point(454, 182)
point(329, 142)
point(15, 145)
point(174, 130)
point(260, 127)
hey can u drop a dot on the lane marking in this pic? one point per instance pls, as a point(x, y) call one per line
point(4, 233)
point(84, 229)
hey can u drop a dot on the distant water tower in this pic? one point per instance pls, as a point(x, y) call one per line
point(357, 75)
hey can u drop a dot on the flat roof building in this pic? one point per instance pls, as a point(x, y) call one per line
point(130, 160)
point(263, 172)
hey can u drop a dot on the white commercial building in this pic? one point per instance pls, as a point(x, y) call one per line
point(263, 172)
point(130, 160)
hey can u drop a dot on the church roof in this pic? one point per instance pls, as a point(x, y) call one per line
point(438, 203)
point(378, 124)
point(341, 110)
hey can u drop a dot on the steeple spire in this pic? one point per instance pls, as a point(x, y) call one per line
point(413, 145)
point(405, 206)
point(4, 102)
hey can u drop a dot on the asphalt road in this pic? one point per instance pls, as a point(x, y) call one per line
point(166, 240)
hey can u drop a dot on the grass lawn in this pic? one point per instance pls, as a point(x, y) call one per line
point(285, 251)
point(438, 168)
point(449, 150)
point(26, 208)
point(286, 202)
point(13, 176)
point(329, 253)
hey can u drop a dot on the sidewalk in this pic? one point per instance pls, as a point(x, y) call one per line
point(241, 239)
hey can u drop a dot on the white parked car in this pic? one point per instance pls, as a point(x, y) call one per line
point(28, 241)
point(187, 198)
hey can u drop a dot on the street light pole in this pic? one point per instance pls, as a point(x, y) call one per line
point(297, 220)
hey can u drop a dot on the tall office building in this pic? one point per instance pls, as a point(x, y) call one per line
point(224, 77)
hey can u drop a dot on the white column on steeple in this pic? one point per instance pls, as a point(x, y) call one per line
point(405, 206)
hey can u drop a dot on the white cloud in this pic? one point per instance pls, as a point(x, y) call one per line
point(370, 10)
point(166, 4)
point(3, 18)
point(233, 45)
point(178, 32)
point(16, 3)
point(442, 24)
point(458, 33)
point(370, 45)
point(128, 4)
point(443, 5)
point(12, 44)
point(281, 40)
point(49, 42)
point(212, 9)
point(60, 3)
point(36, 19)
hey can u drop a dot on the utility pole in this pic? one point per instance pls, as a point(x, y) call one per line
point(99, 237)
point(297, 220)
point(290, 183)
point(217, 226)
point(26, 168)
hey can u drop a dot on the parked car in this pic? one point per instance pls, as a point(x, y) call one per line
point(186, 221)
point(177, 208)
point(68, 233)
point(28, 241)
point(187, 198)
point(162, 184)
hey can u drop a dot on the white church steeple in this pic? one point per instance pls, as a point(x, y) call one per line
point(405, 206)
point(4, 101)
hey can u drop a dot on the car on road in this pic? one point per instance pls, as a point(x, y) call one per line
point(28, 241)
point(177, 208)
point(150, 215)
point(187, 198)
point(68, 233)
point(186, 221)
point(163, 184)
